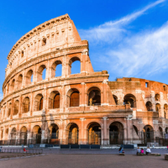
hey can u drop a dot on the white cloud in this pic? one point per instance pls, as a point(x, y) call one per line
point(137, 54)
point(145, 53)
point(113, 30)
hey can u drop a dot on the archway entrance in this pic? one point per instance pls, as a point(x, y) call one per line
point(37, 134)
point(94, 133)
point(148, 134)
point(116, 133)
point(23, 135)
point(73, 134)
point(54, 134)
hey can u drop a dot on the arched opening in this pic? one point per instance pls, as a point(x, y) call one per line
point(165, 110)
point(29, 77)
point(54, 100)
point(149, 106)
point(13, 134)
point(115, 99)
point(1, 134)
point(56, 69)
point(157, 97)
point(148, 134)
point(94, 133)
point(130, 99)
point(160, 132)
point(16, 107)
point(41, 74)
point(13, 85)
point(37, 134)
point(6, 134)
point(74, 98)
point(135, 129)
point(116, 133)
point(74, 64)
point(158, 108)
point(23, 135)
point(94, 96)
point(39, 102)
point(26, 105)
point(166, 130)
point(44, 41)
point(9, 109)
point(20, 80)
point(54, 133)
point(73, 133)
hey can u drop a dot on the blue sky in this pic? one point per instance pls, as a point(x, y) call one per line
point(127, 38)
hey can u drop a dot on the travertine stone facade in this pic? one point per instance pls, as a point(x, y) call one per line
point(74, 108)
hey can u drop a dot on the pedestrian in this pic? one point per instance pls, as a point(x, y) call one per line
point(167, 147)
point(138, 150)
point(142, 151)
point(148, 151)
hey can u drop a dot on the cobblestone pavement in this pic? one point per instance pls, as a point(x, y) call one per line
point(56, 158)
point(86, 161)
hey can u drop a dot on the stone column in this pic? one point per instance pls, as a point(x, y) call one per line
point(82, 97)
point(81, 135)
point(44, 128)
point(105, 137)
point(129, 129)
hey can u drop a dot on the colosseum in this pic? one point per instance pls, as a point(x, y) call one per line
point(40, 107)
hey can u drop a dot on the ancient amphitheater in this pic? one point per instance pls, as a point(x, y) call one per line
point(83, 108)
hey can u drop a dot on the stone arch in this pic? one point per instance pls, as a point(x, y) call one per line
point(73, 133)
point(29, 77)
point(54, 68)
point(115, 99)
point(158, 108)
point(94, 96)
point(73, 97)
point(26, 105)
point(20, 81)
point(36, 131)
point(148, 133)
point(54, 100)
point(165, 110)
point(157, 97)
point(130, 99)
point(116, 133)
point(54, 131)
point(38, 105)
point(12, 87)
point(13, 133)
point(6, 133)
point(149, 106)
point(16, 107)
point(2, 134)
point(166, 130)
point(94, 133)
point(23, 135)
point(71, 61)
point(9, 109)
point(41, 73)
point(160, 132)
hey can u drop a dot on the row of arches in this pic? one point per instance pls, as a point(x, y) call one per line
point(149, 107)
point(54, 100)
point(54, 71)
point(116, 133)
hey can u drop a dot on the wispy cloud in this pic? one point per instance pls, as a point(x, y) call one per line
point(113, 30)
point(126, 54)
point(143, 54)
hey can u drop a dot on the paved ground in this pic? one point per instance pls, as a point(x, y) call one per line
point(86, 161)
